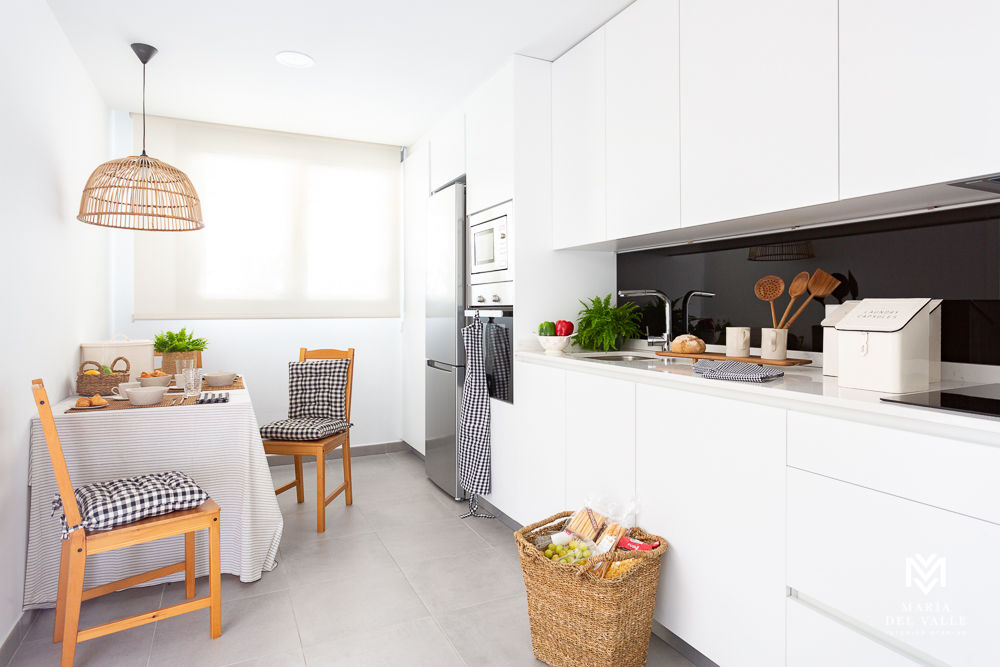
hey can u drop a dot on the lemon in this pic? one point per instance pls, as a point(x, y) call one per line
point(92, 372)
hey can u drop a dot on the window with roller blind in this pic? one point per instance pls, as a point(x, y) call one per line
point(295, 226)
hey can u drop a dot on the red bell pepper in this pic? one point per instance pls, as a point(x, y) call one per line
point(564, 328)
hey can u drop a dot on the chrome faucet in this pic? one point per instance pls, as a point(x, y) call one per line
point(684, 307)
point(653, 340)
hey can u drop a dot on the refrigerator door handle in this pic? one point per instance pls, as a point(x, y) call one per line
point(441, 366)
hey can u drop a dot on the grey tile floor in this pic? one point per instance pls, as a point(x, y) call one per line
point(396, 579)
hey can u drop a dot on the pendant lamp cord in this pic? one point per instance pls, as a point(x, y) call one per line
point(144, 110)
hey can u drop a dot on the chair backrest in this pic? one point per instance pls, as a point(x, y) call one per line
point(305, 354)
point(70, 507)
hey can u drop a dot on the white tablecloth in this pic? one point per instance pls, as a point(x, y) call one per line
point(218, 445)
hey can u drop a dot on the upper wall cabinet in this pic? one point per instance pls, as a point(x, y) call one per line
point(643, 134)
point(578, 162)
point(447, 141)
point(489, 150)
point(758, 96)
point(917, 103)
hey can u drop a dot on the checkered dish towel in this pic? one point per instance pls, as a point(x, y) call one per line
point(474, 425)
point(739, 371)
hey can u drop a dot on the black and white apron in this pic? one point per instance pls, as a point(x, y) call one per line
point(474, 425)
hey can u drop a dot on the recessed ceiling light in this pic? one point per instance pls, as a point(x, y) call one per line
point(294, 59)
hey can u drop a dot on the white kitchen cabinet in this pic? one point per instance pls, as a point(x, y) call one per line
point(914, 105)
point(600, 440)
point(921, 576)
point(643, 128)
point(529, 446)
point(758, 106)
point(817, 640)
point(489, 149)
point(447, 146)
point(578, 160)
point(964, 473)
point(709, 478)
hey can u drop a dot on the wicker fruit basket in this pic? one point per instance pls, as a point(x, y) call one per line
point(88, 385)
point(578, 619)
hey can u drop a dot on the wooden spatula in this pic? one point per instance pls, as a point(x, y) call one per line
point(795, 290)
point(821, 284)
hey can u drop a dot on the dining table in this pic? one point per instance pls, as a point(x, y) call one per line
point(216, 444)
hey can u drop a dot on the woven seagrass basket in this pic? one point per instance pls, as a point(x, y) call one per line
point(88, 385)
point(578, 619)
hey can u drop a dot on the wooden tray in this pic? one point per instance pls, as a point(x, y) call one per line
point(715, 356)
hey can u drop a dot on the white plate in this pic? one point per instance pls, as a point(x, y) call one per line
point(89, 407)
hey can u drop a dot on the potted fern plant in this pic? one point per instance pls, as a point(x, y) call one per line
point(176, 346)
point(604, 327)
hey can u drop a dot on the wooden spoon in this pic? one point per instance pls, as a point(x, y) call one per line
point(795, 290)
point(821, 284)
point(768, 289)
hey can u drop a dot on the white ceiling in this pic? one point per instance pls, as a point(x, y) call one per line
point(385, 69)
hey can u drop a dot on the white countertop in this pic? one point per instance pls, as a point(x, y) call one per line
point(802, 388)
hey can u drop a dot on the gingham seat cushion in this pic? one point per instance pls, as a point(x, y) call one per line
point(104, 505)
point(316, 388)
point(310, 428)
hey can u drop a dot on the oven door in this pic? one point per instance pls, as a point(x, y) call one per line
point(498, 351)
point(487, 255)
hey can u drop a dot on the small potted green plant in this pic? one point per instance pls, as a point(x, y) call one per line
point(176, 346)
point(603, 326)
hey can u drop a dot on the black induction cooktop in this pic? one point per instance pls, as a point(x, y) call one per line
point(981, 400)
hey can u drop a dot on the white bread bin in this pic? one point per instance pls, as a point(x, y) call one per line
point(835, 313)
point(890, 345)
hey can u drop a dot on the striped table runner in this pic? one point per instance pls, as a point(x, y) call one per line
point(218, 445)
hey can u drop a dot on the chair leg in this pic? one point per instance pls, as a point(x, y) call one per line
point(215, 578)
point(57, 632)
point(346, 447)
point(300, 488)
point(320, 492)
point(74, 595)
point(189, 565)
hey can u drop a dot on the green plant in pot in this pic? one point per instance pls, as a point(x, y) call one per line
point(176, 346)
point(603, 326)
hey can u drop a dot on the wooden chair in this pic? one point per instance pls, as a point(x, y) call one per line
point(320, 448)
point(81, 543)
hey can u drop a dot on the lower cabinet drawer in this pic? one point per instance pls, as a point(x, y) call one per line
point(816, 640)
point(919, 575)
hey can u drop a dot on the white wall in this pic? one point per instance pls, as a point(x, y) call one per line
point(53, 268)
point(416, 189)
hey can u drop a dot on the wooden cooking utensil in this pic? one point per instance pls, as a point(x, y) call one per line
point(768, 289)
point(820, 285)
point(795, 290)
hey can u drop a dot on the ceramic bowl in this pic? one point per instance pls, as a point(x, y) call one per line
point(161, 381)
point(146, 395)
point(554, 345)
point(220, 379)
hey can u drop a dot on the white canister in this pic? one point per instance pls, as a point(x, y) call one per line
point(774, 344)
point(737, 341)
point(834, 314)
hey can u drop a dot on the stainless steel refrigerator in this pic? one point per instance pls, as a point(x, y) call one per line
point(445, 370)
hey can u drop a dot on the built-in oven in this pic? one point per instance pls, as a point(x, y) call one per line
point(498, 349)
point(488, 257)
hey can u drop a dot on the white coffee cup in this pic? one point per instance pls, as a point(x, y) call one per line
point(146, 395)
point(774, 344)
point(737, 341)
point(122, 389)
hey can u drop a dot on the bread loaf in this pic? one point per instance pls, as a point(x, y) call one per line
point(687, 344)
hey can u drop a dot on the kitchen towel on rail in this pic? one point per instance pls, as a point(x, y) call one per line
point(474, 426)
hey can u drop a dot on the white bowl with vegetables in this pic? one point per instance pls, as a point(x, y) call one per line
point(555, 344)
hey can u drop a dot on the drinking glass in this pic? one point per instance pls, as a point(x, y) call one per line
point(192, 380)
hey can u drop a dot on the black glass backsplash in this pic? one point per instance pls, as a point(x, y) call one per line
point(952, 255)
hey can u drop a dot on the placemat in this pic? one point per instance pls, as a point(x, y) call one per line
point(125, 405)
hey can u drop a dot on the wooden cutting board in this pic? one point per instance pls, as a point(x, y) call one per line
point(715, 356)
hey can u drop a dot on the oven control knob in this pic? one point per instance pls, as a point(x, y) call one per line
point(496, 298)
point(480, 299)
point(503, 235)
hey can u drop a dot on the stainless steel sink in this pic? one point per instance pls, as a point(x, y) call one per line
point(620, 357)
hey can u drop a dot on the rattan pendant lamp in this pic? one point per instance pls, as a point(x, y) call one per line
point(140, 192)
